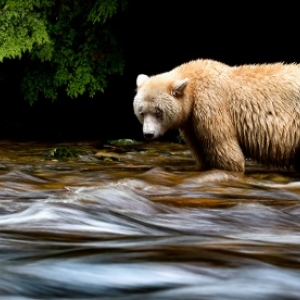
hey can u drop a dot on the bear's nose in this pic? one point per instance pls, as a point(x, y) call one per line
point(148, 136)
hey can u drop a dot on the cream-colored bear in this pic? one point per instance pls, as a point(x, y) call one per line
point(226, 113)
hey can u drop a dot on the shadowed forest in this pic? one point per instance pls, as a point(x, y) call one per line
point(156, 37)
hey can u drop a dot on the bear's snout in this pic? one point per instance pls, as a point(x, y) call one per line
point(151, 128)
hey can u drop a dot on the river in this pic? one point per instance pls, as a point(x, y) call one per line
point(133, 222)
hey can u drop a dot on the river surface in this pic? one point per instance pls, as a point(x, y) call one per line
point(134, 223)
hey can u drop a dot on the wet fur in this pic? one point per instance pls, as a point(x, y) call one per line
point(227, 113)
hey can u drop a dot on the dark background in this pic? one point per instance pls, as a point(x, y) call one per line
point(158, 35)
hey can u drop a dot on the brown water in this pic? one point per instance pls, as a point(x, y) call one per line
point(132, 223)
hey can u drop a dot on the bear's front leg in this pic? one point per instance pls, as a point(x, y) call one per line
point(214, 153)
point(212, 124)
point(226, 155)
point(195, 147)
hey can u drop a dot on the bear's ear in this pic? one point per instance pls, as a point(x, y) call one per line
point(178, 87)
point(141, 79)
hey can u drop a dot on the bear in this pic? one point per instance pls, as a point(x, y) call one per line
point(226, 114)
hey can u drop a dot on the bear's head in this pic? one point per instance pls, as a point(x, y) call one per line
point(159, 103)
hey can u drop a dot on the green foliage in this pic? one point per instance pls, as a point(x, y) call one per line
point(67, 45)
point(104, 10)
point(21, 27)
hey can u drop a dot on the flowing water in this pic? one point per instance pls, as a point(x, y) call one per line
point(134, 222)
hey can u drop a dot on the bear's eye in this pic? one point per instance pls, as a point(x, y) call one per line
point(158, 113)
